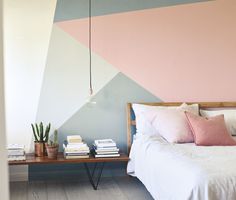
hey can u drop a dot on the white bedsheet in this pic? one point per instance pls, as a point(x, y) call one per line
point(184, 171)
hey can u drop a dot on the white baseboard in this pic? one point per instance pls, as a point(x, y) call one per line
point(18, 173)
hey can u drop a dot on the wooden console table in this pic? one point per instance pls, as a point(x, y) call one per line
point(32, 160)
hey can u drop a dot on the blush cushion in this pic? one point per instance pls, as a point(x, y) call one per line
point(209, 131)
point(146, 114)
point(172, 124)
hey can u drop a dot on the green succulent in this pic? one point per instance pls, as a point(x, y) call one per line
point(39, 134)
point(54, 142)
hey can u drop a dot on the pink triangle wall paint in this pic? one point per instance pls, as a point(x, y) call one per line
point(178, 53)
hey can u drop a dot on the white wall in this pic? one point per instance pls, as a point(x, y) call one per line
point(4, 194)
point(27, 30)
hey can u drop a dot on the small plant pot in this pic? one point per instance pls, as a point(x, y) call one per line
point(39, 149)
point(52, 151)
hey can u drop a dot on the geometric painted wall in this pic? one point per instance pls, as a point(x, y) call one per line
point(141, 51)
point(107, 119)
point(66, 78)
point(65, 84)
point(181, 48)
point(161, 49)
point(78, 9)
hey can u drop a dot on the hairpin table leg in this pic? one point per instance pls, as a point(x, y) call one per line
point(91, 176)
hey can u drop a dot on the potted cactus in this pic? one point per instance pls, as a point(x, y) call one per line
point(52, 146)
point(40, 138)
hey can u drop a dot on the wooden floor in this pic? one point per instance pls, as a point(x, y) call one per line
point(122, 188)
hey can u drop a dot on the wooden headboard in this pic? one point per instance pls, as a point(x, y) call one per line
point(131, 123)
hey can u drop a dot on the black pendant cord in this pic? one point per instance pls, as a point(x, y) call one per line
point(90, 48)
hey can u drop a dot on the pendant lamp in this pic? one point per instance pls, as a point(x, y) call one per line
point(89, 100)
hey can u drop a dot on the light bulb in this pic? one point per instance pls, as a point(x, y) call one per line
point(90, 98)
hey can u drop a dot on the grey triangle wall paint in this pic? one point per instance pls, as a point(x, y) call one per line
point(107, 119)
point(76, 9)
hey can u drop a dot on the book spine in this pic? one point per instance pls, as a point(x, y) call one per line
point(16, 158)
point(16, 153)
point(76, 155)
point(76, 152)
point(107, 153)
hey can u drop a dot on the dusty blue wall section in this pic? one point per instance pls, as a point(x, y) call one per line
point(106, 119)
point(75, 9)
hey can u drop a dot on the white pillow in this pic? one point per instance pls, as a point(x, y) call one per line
point(193, 108)
point(172, 124)
point(229, 115)
point(145, 115)
point(143, 126)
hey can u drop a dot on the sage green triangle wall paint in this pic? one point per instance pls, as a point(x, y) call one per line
point(107, 119)
point(66, 78)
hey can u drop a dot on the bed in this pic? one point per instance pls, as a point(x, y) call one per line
point(182, 171)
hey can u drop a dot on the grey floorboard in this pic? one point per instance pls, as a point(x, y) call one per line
point(133, 188)
point(120, 188)
point(75, 190)
point(19, 190)
point(37, 191)
point(56, 191)
point(108, 189)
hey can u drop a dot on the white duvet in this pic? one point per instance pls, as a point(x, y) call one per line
point(184, 171)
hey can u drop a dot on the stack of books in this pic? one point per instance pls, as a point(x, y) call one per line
point(105, 148)
point(16, 152)
point(75, 148)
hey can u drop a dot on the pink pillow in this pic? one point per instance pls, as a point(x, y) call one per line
point(173, 125)
point(209, 131)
